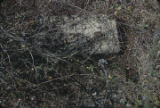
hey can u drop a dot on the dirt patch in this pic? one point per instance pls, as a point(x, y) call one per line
point(31, 78)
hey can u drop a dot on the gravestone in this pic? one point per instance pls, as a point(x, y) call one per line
point(79, 35)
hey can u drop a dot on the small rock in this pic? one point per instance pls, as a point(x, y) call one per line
point(87, 103)
point(157, 67)
point(158, 54)
point(122, 101)
point(33, 98)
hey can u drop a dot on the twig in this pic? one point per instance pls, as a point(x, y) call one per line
point(5, 51)
point(55, 79)
point(11, 36)
point(32, 57)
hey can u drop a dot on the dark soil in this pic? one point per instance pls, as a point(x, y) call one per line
point(34, 78)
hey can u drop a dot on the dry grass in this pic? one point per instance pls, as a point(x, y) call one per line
point(30, 77)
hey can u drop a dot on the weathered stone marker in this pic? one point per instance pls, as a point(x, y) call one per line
point(84, 35)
